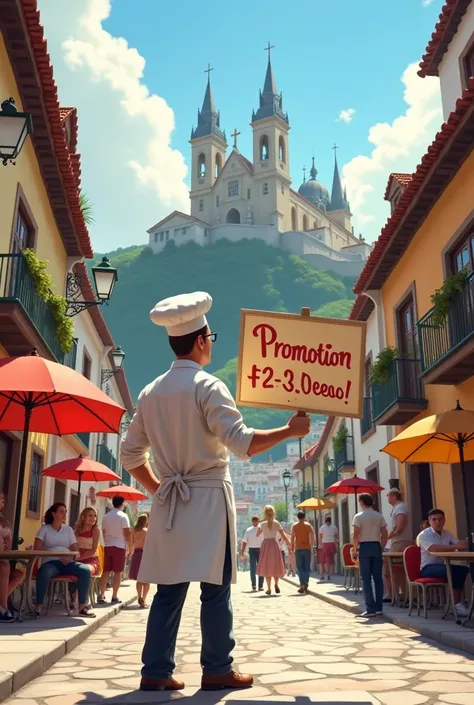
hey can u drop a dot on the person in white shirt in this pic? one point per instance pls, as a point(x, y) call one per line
point(117, 542)
point(368, 540)
point(399, 538)
point(436, 540)
point(328, 540)
point(253, 543)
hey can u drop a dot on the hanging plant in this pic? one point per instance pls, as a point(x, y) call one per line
point(442, 297)
point(56, 303)
point(339, 440)
point(380, 369)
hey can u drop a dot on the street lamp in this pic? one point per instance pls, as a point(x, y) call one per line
point(118, 357)
point(286, 484)
point(294, 499)
point(104, 276)
point(14, 129)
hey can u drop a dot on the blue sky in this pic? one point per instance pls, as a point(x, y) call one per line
point(135, 71)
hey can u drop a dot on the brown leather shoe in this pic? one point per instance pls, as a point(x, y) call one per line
point(229, 680)
point(156, 684)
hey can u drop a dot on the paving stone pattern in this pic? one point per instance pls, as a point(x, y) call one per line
point(298, 648)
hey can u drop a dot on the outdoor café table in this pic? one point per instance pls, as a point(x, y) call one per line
point(28, 559)
point(454, 557)
point(394, 557)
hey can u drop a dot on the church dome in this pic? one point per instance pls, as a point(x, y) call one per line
point(315, 191)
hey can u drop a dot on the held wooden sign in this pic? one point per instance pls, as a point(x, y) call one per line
point(304, 363)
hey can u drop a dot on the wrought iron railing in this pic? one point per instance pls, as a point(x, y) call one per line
point(306, 493)
point(70, 358)
point(105, 456)
point(126, 477)
point(346, 455)
point(17, 285)
point(366, 422)
point(436, 342)
point(404, 385)
point(330, 478)
point(85, 438)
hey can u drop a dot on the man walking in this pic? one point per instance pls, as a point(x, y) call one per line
point(368, 540)
point(302, 541)
point(328, 540)
point(189, 420)
point(253, 543)
point(117, 540)
point(399, 538)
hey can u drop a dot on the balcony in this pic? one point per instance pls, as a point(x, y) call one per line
point(366, 422)
point(26, 320)
point(105, 456)
point(401, 398)
point(306, 493)
point(85, 439)
point(344, 458)
point(126, 478)
point(330, 478)
point(447, 351)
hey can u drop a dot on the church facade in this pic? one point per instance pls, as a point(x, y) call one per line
point(235, 198)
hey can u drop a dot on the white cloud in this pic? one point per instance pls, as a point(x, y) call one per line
point(425, 3)
point(111, 60)
point(346, 115)
point(397, 146)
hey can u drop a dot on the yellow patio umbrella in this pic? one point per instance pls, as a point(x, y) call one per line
point(444, 438)
point(316, 504)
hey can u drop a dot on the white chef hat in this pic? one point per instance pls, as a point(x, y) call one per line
point(182, 314)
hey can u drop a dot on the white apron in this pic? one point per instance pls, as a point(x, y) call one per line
point(189, 520)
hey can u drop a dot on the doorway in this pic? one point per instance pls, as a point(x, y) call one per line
point(372, 474)
point(420, 489)
point(346, 532)
point(233, 216)
point(59, 492)
point(461, 525)
point(74, 503)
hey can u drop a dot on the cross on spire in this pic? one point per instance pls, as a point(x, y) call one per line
point(208, 71)
point(335, 148)
point(269, 48)
point(304, 174)
point(235, 134)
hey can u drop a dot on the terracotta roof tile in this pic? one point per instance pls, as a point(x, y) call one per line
point(402, 179)
point(447, 132)
point(451, 15)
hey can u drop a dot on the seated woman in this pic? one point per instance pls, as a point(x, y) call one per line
point(87, 535)
point(56, 535)
point(9, 579)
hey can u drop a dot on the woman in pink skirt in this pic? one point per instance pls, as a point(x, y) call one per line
point(270, 564)
point(138, 539)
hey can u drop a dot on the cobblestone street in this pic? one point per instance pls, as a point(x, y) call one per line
point(295, 646)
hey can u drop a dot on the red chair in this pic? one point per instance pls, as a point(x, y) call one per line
point(412, 563)
point(351, 569)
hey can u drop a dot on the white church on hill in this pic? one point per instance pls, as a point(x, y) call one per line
point(234, 198)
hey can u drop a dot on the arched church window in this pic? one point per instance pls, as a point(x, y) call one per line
point(305, 222)
point(265, 189)
point(218, 165)
point(233, 216)
point(294, 222)
point(201, 166)
point(264, 150)
point(282, 149)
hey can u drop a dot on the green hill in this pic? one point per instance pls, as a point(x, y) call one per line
point(246, 274)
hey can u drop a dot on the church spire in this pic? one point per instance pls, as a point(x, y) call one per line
point(314, 172)
point(208, 117)
point(338, 199)
point(271, 102)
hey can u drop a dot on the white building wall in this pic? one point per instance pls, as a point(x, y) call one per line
point(451, 70)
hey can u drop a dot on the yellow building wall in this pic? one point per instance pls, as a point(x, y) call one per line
point(27, 173)
point(422, 263)
point(49, 245)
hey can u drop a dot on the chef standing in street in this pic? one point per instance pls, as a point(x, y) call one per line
point(189, 420)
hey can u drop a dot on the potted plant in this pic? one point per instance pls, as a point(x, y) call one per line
point(380, 369)
point(339, 439)
point(442, 297)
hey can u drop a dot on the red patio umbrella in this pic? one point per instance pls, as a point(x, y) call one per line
point(129, 493)
point(354, 485)
point(81, 469)
point(46, 397)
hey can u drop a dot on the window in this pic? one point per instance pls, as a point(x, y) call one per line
point(217, 201)
point(22, 234)
point(86, 365)
point(202, 166)
point(201, 204)
point(233, 188)
point(463, 256)
point(264, 151)
point(218, 165)
point(6, 446)
point(408, 331)
point(162, 236)
point(265, 189)
point(167, 235)
point(34, 493)
point(305, 222)
point(248, 194)
point(294, 222)
point(282, 149)
point(282, 187)
point(372, 474)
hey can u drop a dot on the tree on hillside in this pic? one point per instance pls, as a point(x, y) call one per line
point(335, 309)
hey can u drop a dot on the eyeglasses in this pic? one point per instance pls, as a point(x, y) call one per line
point(212, 336)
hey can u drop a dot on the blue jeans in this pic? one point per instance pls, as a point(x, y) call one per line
point(303, 564)
point(53, 568)
point(371, 563)
point(254, 554)
point(438, 570)
point(216, 627)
